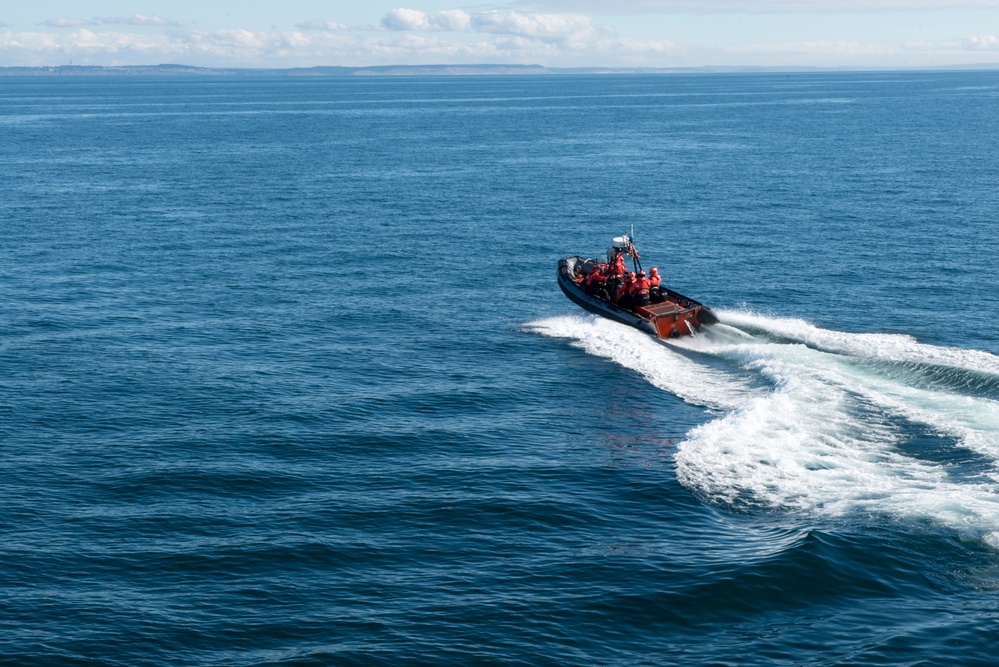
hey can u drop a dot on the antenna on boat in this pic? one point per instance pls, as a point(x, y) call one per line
point(633, 250)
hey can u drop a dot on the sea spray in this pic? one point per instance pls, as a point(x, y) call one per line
point(831, 436)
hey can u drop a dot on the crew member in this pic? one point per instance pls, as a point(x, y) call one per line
point(655, 292)
point(654, 278)
point(640, 290)
point(618, 268)
point(602, 286)
point(615, 275)
point(627, 297)
point(594, 280)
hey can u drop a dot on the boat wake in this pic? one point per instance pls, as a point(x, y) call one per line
point(824, 422)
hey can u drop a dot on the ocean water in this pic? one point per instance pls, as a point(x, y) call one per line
point(286, 378)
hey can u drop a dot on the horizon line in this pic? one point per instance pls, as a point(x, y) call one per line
point(431, 69)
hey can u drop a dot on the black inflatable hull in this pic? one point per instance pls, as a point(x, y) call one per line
point(676, 315)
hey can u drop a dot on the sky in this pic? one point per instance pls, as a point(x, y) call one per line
point(553, 33)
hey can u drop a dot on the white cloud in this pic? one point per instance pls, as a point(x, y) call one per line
point(401, 18)
point(967, 44)
point(457, 37)
point(139, 19)
point(545, 27)
point(452, 19)
point(981, 43)
point(66, 22)
point(542, 26)
point(301, 48)
point(317, 24)
point(405, 19)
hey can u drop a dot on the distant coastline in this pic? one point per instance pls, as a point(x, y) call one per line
point(427, 70)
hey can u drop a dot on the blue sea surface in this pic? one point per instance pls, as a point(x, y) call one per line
point(286, 378)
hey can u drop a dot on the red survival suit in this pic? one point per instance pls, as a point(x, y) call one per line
point(640, 290)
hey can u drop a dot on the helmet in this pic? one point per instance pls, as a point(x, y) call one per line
point(654, 271)
point(641, 274)
point(631, 275)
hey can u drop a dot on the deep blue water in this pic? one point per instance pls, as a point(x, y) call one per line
point(286, 379)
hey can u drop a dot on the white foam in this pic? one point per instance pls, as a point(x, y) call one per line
point(822, 443)
point(973, 421)
point(880, 346)
point(831, 437)
point(691, 381)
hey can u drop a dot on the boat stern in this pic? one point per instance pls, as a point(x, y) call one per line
point(670, 320)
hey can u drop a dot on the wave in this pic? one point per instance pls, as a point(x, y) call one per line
point(680, 376)
point(819, 421)
point(880, 346)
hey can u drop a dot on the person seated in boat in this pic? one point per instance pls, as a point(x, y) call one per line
point(640, 290)
point(597, 286)
point(654, 277)
point(655, 293)
point(594, 280)
point(626, 297)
